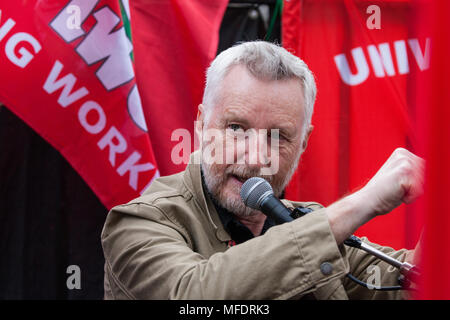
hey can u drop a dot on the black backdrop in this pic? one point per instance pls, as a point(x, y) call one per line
point(49, 218)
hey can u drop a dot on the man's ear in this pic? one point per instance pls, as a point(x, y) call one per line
point(307, 135)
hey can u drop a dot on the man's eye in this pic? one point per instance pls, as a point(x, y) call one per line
point(234, 127)
point(274, 134)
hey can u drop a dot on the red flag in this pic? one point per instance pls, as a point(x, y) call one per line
point(67, 72)
point(175, 41)
point(361, 64)
point(433, 101)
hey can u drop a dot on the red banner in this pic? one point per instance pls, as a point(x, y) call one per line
point(362, 54)
point(67, 71)
point(432, 100)
point(175, 41)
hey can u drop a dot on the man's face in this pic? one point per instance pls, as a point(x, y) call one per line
point(246, 111)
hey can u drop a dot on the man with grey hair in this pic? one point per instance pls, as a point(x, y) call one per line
point(190, 236)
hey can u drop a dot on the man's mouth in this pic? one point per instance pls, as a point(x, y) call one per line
point(242, 179)
point(239, 178)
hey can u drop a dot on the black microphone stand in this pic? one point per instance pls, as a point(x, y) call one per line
point(408, 271)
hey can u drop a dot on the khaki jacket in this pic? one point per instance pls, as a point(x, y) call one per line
point(170, 244)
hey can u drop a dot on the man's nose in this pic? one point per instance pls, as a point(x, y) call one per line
point(256, 149)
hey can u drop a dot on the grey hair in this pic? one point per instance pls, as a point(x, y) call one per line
point(265, 61)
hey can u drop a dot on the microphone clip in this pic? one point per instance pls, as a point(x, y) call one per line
point(299, 212)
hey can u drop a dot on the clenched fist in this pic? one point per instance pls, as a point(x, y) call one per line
point(399, 180)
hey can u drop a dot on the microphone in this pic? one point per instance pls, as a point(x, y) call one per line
point(257, 194)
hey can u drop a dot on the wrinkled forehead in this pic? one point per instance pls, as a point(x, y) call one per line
point(244, 96)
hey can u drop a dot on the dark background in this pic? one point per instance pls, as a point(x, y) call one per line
point(49, 218)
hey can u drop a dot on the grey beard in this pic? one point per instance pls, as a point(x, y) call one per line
point(236, 205)
point(233, 205)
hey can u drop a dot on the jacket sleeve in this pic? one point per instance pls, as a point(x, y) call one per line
point(375, 272)
point(154, 259)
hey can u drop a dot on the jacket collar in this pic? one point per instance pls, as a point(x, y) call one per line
point(193, 182)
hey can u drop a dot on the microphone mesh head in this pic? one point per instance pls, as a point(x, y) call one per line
point(253, 189)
